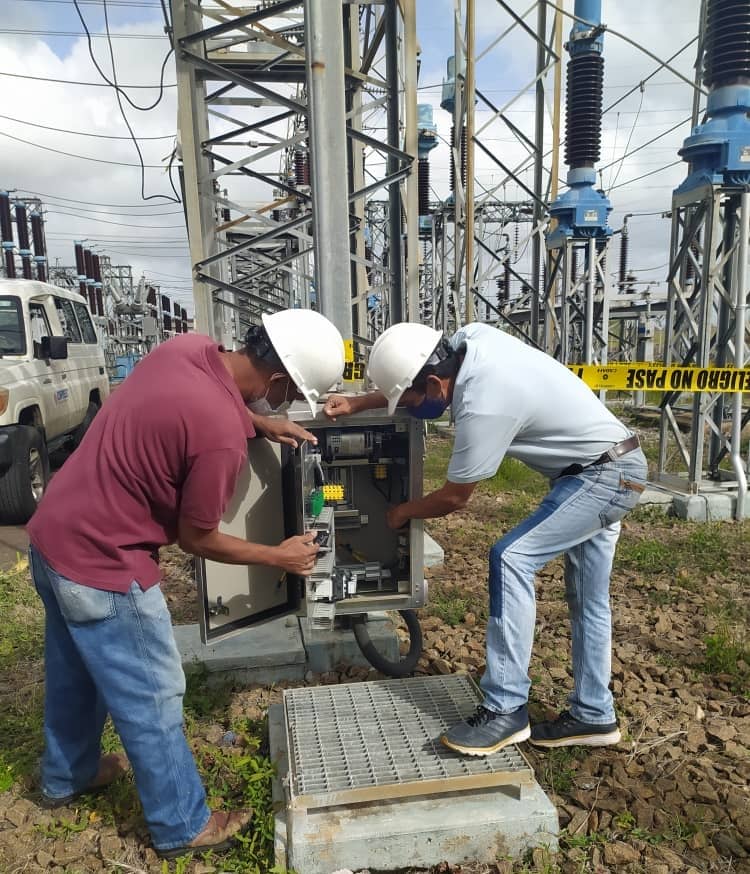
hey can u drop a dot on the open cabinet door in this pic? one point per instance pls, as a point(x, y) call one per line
point(233, 597)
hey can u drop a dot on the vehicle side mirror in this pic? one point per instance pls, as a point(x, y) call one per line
point(54, 348)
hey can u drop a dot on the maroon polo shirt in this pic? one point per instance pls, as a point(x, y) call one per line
point(170, 442)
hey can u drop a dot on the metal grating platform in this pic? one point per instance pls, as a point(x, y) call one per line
point(380, 740)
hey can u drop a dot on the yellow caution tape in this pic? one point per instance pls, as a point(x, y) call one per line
point(641, 376)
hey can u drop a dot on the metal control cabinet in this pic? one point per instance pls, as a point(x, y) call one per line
point(341, 489)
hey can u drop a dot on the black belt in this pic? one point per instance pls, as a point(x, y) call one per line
point(612, 454)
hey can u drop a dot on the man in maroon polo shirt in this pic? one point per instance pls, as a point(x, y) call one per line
point(158, 465)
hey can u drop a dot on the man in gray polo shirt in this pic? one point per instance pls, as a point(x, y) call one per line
point(511, 399)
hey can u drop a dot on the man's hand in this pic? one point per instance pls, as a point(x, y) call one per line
point(281, 430)
point(297, 554)
point(396, 517)
point(338, 405)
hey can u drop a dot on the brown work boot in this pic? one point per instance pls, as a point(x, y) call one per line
point(111, 767)
point(218, 835)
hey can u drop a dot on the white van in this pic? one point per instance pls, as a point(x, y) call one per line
point(53, 379)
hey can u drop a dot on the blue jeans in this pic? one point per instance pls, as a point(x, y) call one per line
point(580, 517)
point(107, 652)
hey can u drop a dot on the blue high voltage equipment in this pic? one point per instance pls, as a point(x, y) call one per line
point(582, 210)
point(426, 142)
point(718, 150)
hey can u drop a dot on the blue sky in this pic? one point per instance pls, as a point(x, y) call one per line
point(158, 243)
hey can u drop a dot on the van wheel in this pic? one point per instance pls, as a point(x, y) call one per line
point(80, 432)
point(24, 483)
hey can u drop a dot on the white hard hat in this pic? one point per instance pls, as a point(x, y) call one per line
point(398, 355)
point(311, 349)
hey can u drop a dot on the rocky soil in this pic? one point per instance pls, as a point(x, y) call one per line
point(673, 796)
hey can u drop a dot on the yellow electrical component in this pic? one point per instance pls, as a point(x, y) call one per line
point(381, 471)
point(333, 492)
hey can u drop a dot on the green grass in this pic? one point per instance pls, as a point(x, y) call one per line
point(520, 487)
point(558, 769)
point(728, 653)
point(452, 603)
point(21, 647)
point(695, 546)
point(235, 777)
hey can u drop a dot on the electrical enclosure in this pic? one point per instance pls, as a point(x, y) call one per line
point(341, 490)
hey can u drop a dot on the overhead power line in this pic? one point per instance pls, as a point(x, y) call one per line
point(81, 133)
point(93, 202)
point(86, 212)
point(72, 155)
point(86, 84)
point(77, 33)
point(105, 222)
point(644, 175)
point(136, 3)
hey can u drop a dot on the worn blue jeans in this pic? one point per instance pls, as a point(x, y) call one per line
point(107, 652)
point(580, 517)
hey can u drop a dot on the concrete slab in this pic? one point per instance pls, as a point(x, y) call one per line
point(434, 554)
point(657, 497)
point(457, 827)
point(704, 507)
point(266, 653)
point(326, 649)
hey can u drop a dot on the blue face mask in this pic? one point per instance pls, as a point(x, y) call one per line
point(430, 408)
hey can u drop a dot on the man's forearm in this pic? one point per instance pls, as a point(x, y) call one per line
point(226, 549)
point(373, 400)
point(438, 503)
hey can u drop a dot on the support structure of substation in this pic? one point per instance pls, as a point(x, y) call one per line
point(291, 205)
point(708, 292)
point(276, 200)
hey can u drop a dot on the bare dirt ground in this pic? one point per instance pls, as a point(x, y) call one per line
point(673, 796)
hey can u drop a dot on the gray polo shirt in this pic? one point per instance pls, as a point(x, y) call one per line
point(512, 399)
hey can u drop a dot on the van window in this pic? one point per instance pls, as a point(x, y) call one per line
point(12, 336)
point(68, 319)
point(84, 320)
point(38, 324)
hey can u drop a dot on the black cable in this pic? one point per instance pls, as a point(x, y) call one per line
point(79, 133)
point(76, 33)
point(105, 222)
point(87, 212)
point(93, 202)
point(119, 93)
point(638, 178)
point(73, 155)
point(101, 72)
point(134, 3)
point(630, 138)
point(644, 145)
point(87, 84)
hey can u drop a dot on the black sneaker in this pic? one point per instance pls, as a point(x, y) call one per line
point(567, 731)
point(486, 732)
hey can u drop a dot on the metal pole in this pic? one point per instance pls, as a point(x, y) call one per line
point(469, 193)
point(536, 242)
point(588, 343)
point(192, 125)
point(549, 337)
point(410, 147)
point(394, 189)
point(324, 40)
point(740, 318)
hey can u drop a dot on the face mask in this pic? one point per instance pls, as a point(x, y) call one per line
point(429, 409)
point(262, 407)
